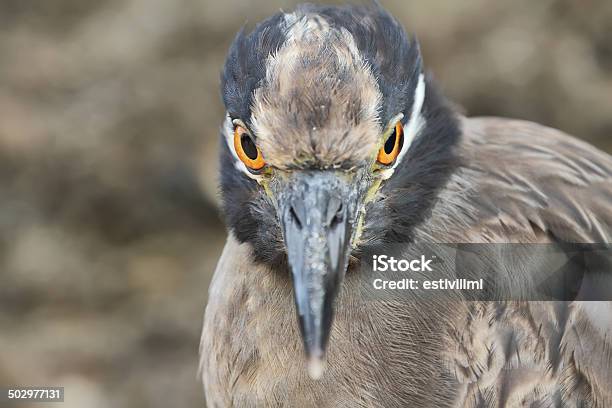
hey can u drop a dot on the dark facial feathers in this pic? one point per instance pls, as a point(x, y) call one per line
point(249, 212)
point(407, 197)
point(394, 59)
point(245, 66)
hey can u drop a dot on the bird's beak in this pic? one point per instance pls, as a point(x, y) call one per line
point(317, 214)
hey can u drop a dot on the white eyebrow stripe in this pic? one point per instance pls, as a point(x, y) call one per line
point(415, 124)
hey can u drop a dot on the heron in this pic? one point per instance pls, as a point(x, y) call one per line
point(336, 143)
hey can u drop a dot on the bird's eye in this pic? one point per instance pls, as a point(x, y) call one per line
point(246, 150)
point(392, 147)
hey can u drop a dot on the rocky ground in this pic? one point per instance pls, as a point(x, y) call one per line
point(109, 111)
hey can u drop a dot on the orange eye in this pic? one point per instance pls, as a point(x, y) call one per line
point(393, 145)
point(246, 149)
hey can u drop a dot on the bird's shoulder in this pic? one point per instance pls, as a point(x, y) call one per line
point(517, 176)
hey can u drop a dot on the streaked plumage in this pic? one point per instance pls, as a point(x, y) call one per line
point(500, 181)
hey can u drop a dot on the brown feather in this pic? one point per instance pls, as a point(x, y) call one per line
point(519, 182)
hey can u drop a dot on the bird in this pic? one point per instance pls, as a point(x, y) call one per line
point(337, 144)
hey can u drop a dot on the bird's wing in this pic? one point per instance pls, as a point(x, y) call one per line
point(522, 182)
point(531, 178)
point(534, 354)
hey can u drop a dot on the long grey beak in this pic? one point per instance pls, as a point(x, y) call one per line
point(317, 217)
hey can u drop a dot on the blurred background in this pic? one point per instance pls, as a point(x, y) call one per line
point(109, 116)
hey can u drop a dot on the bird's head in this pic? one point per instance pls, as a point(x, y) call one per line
point(333, 141)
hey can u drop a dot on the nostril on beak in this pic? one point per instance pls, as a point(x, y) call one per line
point(330, 212)
point(295, 217)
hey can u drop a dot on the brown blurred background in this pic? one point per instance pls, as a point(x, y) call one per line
point(109, 112)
